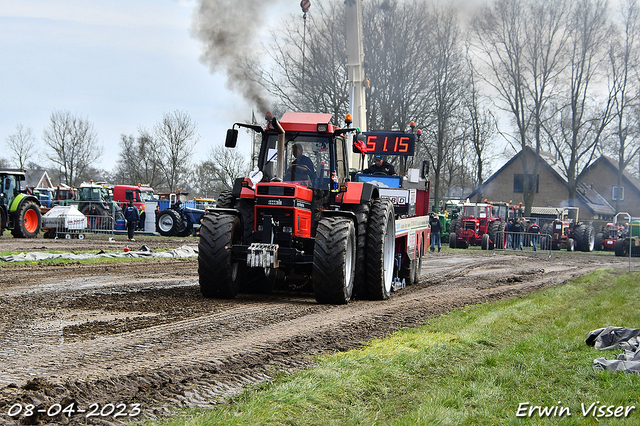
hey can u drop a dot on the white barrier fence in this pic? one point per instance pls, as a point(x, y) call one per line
point(77, 226)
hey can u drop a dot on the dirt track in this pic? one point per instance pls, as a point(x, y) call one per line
point(140, 332)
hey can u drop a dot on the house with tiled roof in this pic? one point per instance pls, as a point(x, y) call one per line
point(602, 175)
point(551, 187)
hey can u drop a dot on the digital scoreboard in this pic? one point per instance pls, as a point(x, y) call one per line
point(390, 143)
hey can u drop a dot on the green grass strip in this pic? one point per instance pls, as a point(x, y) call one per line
point(470, 367)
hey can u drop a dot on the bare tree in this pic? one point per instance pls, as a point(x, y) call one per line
point(578, 127)
point(73, 145)
point(479, 123)
point(219, 171)
point(520, 46)
point(21, 144)
point(137, 162)
point(624, 58)
point(175, 137)
point(4, 163)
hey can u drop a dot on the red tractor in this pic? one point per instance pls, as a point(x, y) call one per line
point(480, 224)
point(299, 221)
point(606, 240)
point(567, 232)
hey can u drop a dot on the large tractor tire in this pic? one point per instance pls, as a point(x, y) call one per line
point(452, 240)
point(493, 229)
point(225, 200)
point(28, 221)
point(219, 275)
point(169, 223)
point(584, 236)
point(599, 242)
point(407, 269)
point(253, 279)
point(485, 242)
point(621, 247)
point(334, 260)
point(546, 238)
point(380, 249)
point(418, 261)
point(455, 225)
point(501, 236)
point(362, 221)
point(101, 218)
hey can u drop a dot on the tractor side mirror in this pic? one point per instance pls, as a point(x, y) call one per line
point(232, 138)
point(424, 171)
point(359, 145)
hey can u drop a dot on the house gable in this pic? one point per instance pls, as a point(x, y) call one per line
point(602, 176)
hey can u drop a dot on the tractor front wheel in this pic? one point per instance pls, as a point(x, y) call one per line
point(28, 221)
point(599, 242)
point(169, 223)
point(218, 274)
point(334, 260)
point(452, 240)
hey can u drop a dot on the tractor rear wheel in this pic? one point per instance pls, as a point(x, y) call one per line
point(584, 236)
point(334, 260)
point(380, 249)
point(169, 223)
point(621, 247)
point(362, 220)
point(454, 226)
point(599, 242)
point(219, 275)
point(28, 221)
point(225, 200)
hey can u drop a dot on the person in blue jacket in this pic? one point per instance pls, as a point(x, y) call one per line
point(132, 216)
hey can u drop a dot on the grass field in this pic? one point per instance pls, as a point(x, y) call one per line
point(475, 366)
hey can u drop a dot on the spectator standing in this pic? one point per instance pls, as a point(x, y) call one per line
point(517, 230)
point(93, 216)
point(534, 230)
point(509, 233)
point(132, 216)
point(436, 230)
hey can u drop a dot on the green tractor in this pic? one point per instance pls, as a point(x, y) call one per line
point(449, 211)
point(19, 210)
point(630, 242)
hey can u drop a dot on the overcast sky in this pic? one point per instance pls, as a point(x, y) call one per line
point(119, 63)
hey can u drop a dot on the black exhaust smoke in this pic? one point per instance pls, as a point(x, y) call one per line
point(228, 30)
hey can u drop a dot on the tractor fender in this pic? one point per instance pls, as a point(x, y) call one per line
point(358, 193)
point(241, 190)
point(20, 199)
point(340, 213)
point(3, 218)
point(234, 212)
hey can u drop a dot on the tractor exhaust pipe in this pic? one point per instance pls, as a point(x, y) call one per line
point(273, 121)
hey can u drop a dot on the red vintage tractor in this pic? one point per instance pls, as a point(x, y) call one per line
point(566, 232)
point(480, 224)
point(606, 239)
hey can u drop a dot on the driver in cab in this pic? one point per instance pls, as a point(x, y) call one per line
point(302, 167)
point(380, 166)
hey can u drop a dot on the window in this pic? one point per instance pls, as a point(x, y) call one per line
point(519, 181)
point(618, 193)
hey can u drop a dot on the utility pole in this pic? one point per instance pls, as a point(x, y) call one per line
point(355, 68)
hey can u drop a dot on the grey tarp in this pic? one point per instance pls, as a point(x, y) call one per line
point(184, 251)
point(624, 338)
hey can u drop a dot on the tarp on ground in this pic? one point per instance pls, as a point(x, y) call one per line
point(143, 252)
point(608, 338)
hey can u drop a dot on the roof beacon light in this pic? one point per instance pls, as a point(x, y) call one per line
point(348, 119)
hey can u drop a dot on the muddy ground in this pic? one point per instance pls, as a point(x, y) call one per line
point(140, 332)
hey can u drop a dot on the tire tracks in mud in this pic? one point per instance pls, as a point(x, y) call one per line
point(205, 357)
